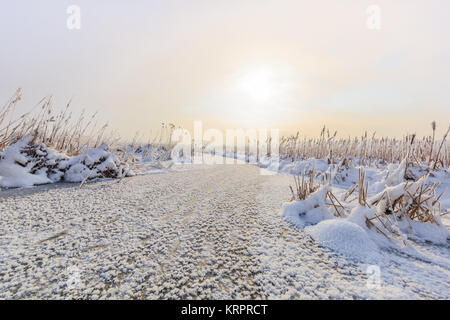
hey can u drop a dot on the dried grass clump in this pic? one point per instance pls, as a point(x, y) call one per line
point(362, 186)
point(305, 187)
point(153, 148)
point(418, 201)
point(58, 130)
point(387, 227)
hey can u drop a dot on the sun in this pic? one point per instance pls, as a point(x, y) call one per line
point(257, 84)
point(256, 93)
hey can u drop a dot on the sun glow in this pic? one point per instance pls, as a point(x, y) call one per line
point(258, 84)
point(258, 93)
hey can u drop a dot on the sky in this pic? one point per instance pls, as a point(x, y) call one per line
point(288, 64)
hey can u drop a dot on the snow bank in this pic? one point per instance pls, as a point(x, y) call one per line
point(25, 164)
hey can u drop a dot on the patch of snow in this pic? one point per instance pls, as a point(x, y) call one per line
point(434, 232)
point(302, 213)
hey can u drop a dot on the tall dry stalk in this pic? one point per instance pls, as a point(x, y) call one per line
point(433, 126)
point(436, 161)
point(304, 187)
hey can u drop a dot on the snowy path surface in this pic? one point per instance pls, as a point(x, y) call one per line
point(203, 232)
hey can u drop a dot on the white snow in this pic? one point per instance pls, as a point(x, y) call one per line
point(434, 232)
point(347, 238)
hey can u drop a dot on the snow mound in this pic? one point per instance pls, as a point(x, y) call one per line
point(302, 213)
point(360, 216)
point(94, 164)
point(346, 238)
point(25, 164)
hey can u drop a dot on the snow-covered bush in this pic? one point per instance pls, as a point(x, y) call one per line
point(24, 164)
point(19, 167)
point(93, 164)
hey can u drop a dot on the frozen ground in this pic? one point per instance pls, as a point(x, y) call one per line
point(200, 232)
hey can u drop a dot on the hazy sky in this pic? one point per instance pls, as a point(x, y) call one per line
point(293, 65)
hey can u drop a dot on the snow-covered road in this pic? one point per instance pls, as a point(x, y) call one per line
point(200, 232)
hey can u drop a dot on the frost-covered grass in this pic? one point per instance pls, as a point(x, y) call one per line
point(61, 130)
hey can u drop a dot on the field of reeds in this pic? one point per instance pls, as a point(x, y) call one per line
point(365, 150)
